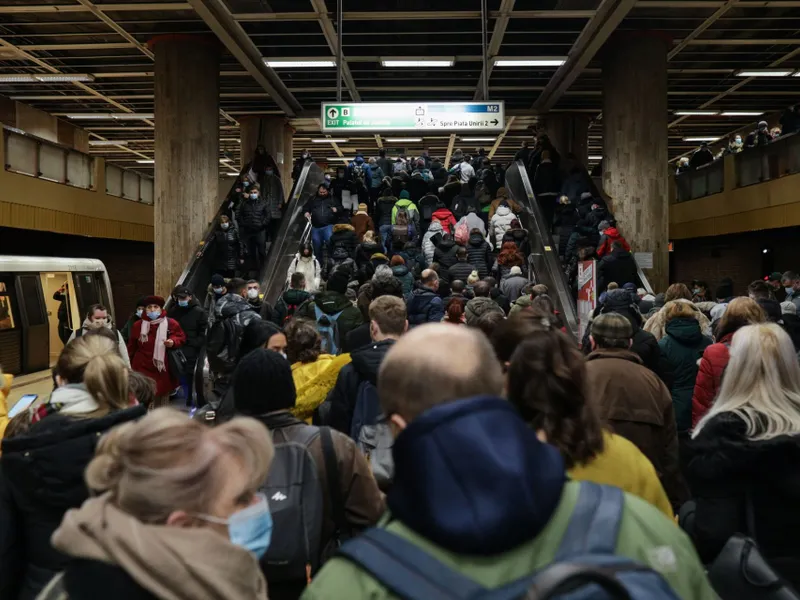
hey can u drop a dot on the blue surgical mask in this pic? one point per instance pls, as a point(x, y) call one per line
point(250, 528)
point(139, 312)
point(225, 226)
point(218, 291)
point(696, 291)
point(183, 303)
point(153, 315)
point(269, 171)
point(253, 196)
point(246, 184)
point(789, 290)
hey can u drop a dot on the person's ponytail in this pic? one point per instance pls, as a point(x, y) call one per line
point(106, 379)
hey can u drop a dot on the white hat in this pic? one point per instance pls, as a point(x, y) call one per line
point(516, 271)
point(788, 308)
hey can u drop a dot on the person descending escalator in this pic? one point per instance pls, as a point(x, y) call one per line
point(228, 251)
point(272, 192)
point(610, 235)
point(500, 224)
point(306, 263)
point(253, 218)
point(547, 188)
point(300, 162)
point(321, 210)
point(262, 161)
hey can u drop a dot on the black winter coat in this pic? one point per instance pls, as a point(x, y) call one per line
point(726, 466)
point(520, 238)
point(479, 253)
point(227, 249)
point(619, 266)
point(547, 179)
point(194, 322)
point(365, 250)
point(366, 362)
point(321, 211)
point(460, 271)
point(427, 206)
point(383, 210)
point(462, 203)
point(345, 237)
point(417, 188)
point(445, 255)
point(41, 477)
point(253, 215)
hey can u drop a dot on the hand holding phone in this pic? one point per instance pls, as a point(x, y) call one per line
point(22, 404)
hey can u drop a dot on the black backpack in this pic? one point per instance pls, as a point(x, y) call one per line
point(223, 344)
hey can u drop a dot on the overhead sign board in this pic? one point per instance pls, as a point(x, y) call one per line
point(342, 117)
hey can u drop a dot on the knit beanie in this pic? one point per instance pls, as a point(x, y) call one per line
point(405, 195)
point(262, 383)
point(473, 278)
point(383, 275)
point(515, 271)
point(788, 308)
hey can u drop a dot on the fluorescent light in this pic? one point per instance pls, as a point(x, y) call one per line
point(418, 62)
point(147, 161)
point(700, 139)
point(596, 158)
point(45, 77)
point(742, 113)
point(232, 174)
point(112, 116)
point(133, 116)
point(330, 141)
point(696, 113)
point(554, 61)
point(478, 139)
point(108, 143)
point(299, 64)
point(409, 139)
point(344, 158)
point(764, 72)
point(796, 74)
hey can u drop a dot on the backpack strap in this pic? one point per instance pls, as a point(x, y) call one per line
point(334, 484)
point(406, 570)
point(594, 525)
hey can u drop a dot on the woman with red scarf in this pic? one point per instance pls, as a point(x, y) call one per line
point(151, 337)
point(509, 256)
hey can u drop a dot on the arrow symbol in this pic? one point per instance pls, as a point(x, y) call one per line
point(332, 113)
point(495, 122)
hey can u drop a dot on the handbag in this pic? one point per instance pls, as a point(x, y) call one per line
point(740, 571)
point(178, 365)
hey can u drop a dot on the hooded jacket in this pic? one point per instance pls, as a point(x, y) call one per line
point(681, 350)
point(404, 276)
point(502, 196)
point(411, 209)
point(610, 236)
point(638, 406)
point(313, 381)
point(330, 303)
point(520, 304)
point(445, 255)
point(479, 306)
point(344, 236)
point(500, 224)
point(430, 240)
point(479, 253)
point(465, 201)
point(308, 266)
point(364, 366)
point(384, 209)
point(445, 218)
point(290, 297)
point(495, 511)
point(428, 204)
point(365, 250)
point(424, 306)
point(41, 477)
point(657, 322)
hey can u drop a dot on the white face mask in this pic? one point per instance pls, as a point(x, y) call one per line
point(252, 293)
point(98, 323)
point(225, 226)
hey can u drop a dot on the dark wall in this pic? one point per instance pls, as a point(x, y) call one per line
point(129, 264)
point(739, 256)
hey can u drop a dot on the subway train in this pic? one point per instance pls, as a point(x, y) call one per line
point(30, 337)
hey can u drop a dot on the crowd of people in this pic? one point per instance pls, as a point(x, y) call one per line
point(412, 418)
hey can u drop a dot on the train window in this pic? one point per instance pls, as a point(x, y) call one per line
point(6, 308)
point(32, 300)
point(86, 290)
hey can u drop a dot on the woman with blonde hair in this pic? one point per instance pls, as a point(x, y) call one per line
point(745, 469)
point(314, 373)
point(740, 312)
point(176, 513)
point(41, 471)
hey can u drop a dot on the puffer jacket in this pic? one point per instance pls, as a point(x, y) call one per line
point(272, 190)
point(253, 215)
point(344, 235)
point(405, 277)
point(500, 224)
point(610, 236)
point(446, 219)
point(681, 349)
point(428, 241)
point(227, 249)
point(460, 271)
point(709, 377)
point(445, 255)
point(383, 210)
point(308, 266)
point(479, 253)
point(424, 306)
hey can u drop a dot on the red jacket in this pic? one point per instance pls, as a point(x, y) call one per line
point(709, 376)
point(609, 237)
point(446, 218)
point(142, 355)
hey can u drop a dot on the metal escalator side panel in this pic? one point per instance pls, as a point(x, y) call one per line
point(293, 231)
point(546, 266)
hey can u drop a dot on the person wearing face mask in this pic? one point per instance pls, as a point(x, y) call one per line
point(262, 160)
point(321, 211)
point(257, 301)
point(306, 263)
point(189, 495)
point(135, 316)
point(150, 339)
point(791, 285)
point(97, 317)
point(186, 310)
point(253, 218)
point(228, 250)
point(216, 290)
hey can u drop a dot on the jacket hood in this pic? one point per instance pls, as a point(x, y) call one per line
point(442, 213)
point(479, 499)
point(231, 305)
point(612, 232)
point(367, 360)
point(400, 270)
point(343, 227)
point(297, 297)
point(503, 211)
point(446, 245)
point(46, 465)
point(523, 301)
point(405, 202)
point(331, 302)
point(435, 227)
point(476, 239)
point(685, 330)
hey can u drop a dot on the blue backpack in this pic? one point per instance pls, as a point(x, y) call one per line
point(328, 330)
point(585, 566)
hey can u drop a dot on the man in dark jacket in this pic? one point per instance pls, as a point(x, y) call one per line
point(332, 301)
point(701, 157)
point(321, 210)
point(256, 299)
point(383, 216)
point(547, 187)
point(290, 300)
point(359, 496)
point(618, 266)
point(634, 401)
point(186, 310)
point(253, 218)
point(424, 305)
point(479, 253)
point(388, 321)
point(384, 163)
point(445, 255)
point(462, 269)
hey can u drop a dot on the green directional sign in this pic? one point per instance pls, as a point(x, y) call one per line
point(408, 116)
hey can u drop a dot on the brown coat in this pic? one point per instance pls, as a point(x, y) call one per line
point(362, 223)
point(514, 206)
point(638, 406)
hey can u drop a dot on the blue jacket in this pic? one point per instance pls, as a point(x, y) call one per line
point(424, 306)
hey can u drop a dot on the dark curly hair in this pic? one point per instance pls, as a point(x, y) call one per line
point(303, 342)
point(547, 385)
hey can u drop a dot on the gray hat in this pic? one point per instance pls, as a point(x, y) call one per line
point(383, 274)
point(788, 308)
point(603, 226)
point(515, 271)
point(612, 326)
point(762, 125)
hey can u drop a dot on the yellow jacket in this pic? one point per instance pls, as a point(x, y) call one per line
point(314, 380)
point(5, 389)
point(623, 465)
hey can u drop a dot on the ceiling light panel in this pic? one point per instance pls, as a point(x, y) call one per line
point(299, 64)
point(552, 61)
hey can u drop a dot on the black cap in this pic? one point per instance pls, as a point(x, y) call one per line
point(217, 281)
point(181, 291)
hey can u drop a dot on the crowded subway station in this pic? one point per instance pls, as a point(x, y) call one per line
point(415, 300)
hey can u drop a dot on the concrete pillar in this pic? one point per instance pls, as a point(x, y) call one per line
point(276, 136)
point(635, 153)
point(569, 132)
point(186, 149)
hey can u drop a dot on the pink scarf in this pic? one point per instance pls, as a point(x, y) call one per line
point(159, 350)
